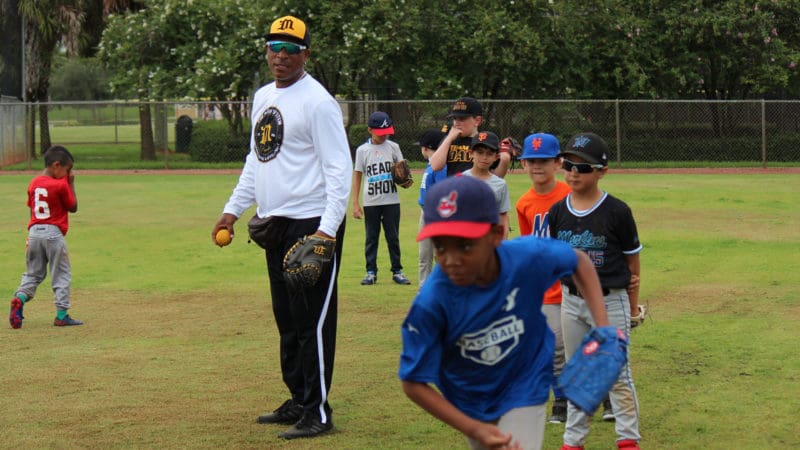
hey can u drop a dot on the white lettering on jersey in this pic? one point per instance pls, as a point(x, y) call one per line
point(41, 209)
point(490, 345)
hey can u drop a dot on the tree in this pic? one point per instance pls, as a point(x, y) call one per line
point(78, 79)
point(213, 50)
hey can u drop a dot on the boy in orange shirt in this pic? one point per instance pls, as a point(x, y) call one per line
point(540, 161)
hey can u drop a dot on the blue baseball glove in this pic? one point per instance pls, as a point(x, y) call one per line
point(594, 367)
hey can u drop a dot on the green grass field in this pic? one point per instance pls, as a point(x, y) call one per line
point(180, 349)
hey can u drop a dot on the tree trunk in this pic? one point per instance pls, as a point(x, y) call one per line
point(38, 51)
point(44, 129)
point(148, 147)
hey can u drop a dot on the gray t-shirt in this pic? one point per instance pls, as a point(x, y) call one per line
point(500, 189)
point(375, 163)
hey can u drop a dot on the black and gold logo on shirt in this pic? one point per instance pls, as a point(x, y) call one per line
point(268, 134)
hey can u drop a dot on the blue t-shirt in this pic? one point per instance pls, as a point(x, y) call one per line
point(488, 349)
point(429, 178)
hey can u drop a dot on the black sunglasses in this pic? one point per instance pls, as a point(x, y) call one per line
point(570, 166)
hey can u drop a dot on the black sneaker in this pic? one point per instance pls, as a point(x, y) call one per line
point(608, 411)
point(288, 413)
point(307, 427)
point(559, 414)
point(67, 321)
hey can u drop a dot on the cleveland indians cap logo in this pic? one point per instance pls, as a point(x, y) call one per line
point(447, 205)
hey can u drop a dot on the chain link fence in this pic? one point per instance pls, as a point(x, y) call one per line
point(12, 131)
point(640, 133)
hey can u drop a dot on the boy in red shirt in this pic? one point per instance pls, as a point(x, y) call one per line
point(51, 197)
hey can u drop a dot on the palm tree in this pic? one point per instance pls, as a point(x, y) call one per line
point(77, 25)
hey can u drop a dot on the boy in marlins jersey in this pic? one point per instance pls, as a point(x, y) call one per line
point(476, 330)
point(591, 220)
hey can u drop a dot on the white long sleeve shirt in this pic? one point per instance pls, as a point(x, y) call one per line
point(307, 171)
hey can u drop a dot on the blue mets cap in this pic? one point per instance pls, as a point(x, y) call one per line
point(540, 145)
point(460, 206)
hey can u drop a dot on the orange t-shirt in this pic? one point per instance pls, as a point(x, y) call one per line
point(533, 216)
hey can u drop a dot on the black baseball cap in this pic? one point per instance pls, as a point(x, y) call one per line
point(486, 139)
point(289, 29)
point(430, 139)
point(588, 146)
point(466, 107)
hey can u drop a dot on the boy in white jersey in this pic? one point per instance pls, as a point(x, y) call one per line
point(374, 161)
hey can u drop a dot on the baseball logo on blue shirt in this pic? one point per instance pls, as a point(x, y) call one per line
point(268, 134)
point(490, 345)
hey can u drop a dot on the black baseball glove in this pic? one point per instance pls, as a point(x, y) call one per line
point(511, 146)
point(308, 258)
point(401, 174)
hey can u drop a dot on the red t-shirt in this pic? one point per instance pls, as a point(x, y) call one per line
point(532, 214)
point(50, 200)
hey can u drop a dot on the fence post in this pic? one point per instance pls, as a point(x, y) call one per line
point(116, 125)
point(763, 134)
point(619, 133)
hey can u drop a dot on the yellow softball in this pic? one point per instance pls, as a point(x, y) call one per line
point(223, 237)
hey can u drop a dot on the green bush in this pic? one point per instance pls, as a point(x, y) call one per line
point(212, 141)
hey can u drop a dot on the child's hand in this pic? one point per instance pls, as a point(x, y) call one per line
point(358, 213)
point(493, 438)
point(634, 283)
point(70, 177)
point(454, 132)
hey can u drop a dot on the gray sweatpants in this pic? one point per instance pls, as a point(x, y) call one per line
point(425, 255)
point(525, 424)
point(46, 245)
point(576, 320)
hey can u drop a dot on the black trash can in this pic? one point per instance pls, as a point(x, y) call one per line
point(183, 133)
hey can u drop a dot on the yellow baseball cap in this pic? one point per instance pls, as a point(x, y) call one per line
point(290, 29)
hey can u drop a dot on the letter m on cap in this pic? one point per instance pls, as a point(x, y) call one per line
point(286, 24)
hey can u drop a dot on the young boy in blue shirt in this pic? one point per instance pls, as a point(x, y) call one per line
point(428, 143)
point(475, 331)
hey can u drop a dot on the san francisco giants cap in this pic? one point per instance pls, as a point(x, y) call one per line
point(486, 139)
point(588, 146)
point(540, 146)
point(289, 29)
point(460, 206)
point(466, 107)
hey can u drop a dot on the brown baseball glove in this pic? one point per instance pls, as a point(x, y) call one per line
point(401, 174)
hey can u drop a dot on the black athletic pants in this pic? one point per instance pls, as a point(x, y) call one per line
point(306, 319)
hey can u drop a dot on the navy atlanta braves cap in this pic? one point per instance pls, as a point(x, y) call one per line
point(540, 145)
point(460, 206)
point(588, 146)
point(380, 123)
